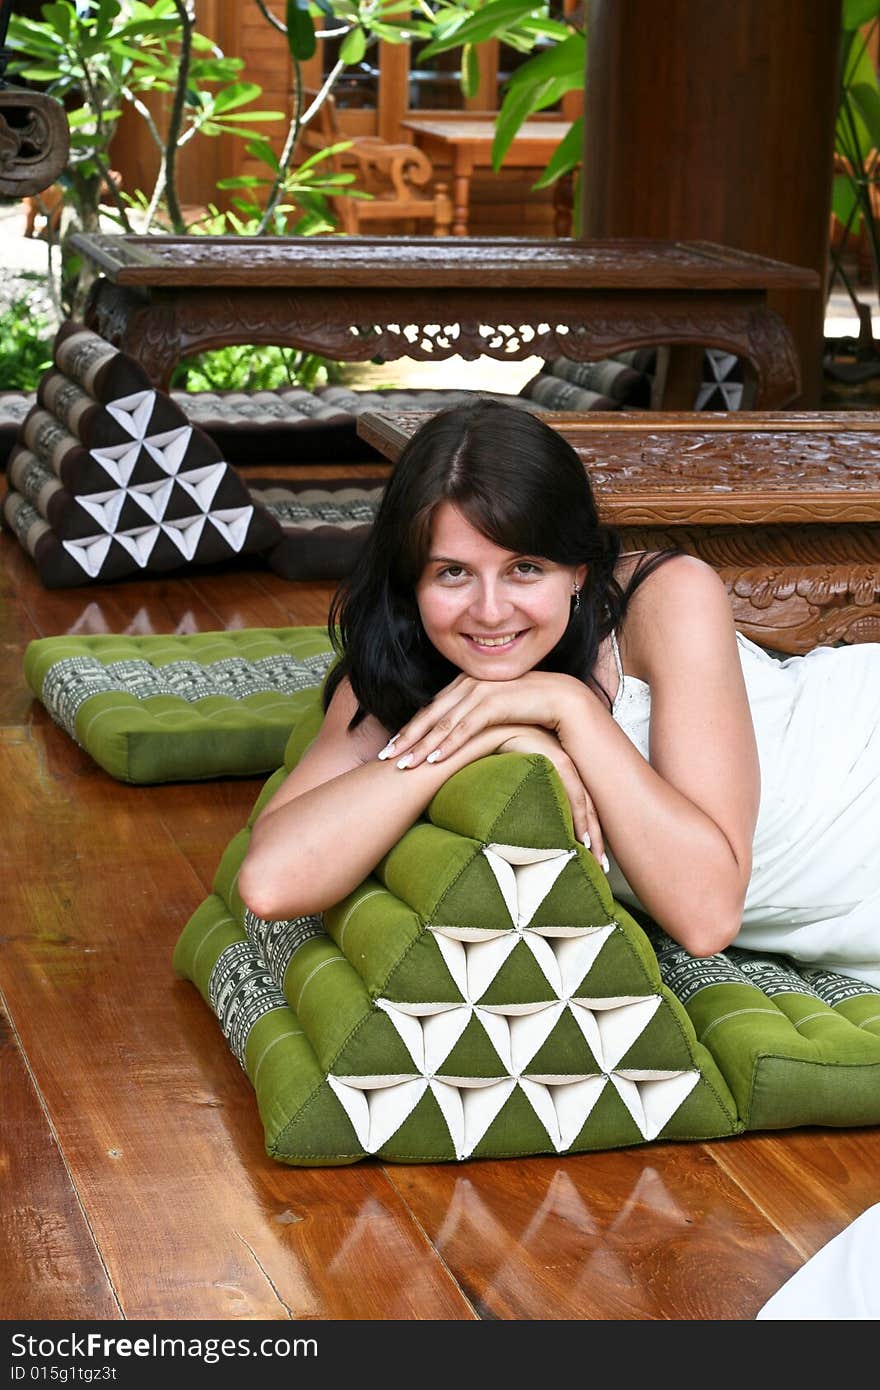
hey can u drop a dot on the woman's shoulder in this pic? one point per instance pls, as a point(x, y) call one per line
point(681, 604)
point(367, 737)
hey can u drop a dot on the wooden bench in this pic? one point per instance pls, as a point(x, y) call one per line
point(785, 507)
point(357, 298)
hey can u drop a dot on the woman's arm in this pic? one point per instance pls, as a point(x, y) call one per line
point(337, 813)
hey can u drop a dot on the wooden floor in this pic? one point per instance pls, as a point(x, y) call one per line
point(133, 1181)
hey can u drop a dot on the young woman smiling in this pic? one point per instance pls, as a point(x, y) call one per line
point(491, 611)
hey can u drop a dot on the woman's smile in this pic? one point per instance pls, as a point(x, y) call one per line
point(491, 643)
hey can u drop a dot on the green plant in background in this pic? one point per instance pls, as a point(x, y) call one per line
point(856, 191)
point(556, 68)
point(252, 369)
point(100, 56)
point(25, 343)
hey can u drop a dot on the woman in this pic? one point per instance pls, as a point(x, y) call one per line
point(491, 611)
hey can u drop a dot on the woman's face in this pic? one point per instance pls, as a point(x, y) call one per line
point(492, 613)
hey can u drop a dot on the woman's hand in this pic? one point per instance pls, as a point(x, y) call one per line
point(489, 736)
point(467, 706)
point(583, 812)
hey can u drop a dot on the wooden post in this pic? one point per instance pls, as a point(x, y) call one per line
point(716, 121)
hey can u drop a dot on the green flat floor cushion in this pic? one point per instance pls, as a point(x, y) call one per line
point(182, 707)
point(480, 995)
point(797, 1045)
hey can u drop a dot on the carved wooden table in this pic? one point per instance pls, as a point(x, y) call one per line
point(786, 508)
point(357, 298)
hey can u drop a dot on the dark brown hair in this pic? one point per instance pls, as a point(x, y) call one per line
point(517, 482)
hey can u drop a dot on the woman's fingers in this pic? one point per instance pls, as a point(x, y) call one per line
point(441, 729)
point(593, 834)
point(420, 725)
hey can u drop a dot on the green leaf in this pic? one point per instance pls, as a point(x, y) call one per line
point(108, 11)
point(353, 46)
point(844, 201)
point(470, 70)
point(241, 181)
point(300, 30)
point(60, 17)
point(262, 150)
point(237, 95)
point(567, 155)
point(514, 110)
point(866, 100)
point(323, 154)
point(566, 60)
point(37, 74)
point(478, 28)
point(858, 12)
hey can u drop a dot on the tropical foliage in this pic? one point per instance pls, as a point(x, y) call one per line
point(856, 193)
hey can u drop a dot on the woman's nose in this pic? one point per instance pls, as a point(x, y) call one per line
point(490, 605)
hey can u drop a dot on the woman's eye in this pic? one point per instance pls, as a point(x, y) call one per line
point(451, 572)
point(528, 568)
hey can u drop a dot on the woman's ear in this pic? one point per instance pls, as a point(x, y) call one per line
point(580, 575)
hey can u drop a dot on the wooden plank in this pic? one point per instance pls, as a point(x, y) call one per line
point(649, 1232)
point(637, 263)
point(49, 1264)
point(201, 818)
point(157, 1123)
point(16, 630)
point(810, 1183)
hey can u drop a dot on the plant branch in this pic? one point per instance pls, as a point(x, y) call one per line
point(187, 24)
point(297, 122)
point(97, 156)
point(282, 28)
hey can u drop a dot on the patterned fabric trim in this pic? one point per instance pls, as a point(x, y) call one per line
point(14, 406)
point(75, 679)
point(321, 512)
point(686, 975)
point(241, 991)
point(278, 942)
point(331, 404)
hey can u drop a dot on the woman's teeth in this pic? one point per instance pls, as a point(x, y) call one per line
point(494, 641)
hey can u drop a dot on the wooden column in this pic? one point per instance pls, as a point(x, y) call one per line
point(716, 121)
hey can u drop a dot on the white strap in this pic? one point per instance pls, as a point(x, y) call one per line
point(617, 661)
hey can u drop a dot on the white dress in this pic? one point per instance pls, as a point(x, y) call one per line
point(815, 887)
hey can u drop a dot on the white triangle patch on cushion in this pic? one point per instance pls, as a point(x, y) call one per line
point(202, 483)
point(140, 542)
point(134, 412)
point(525, 882)
point(169, 449)
point(103, 507)
point(152, 498)
point(428, 1039)
point(377, 1114)
point(564, 1109)
point(652, 1103)
point(233, 524)
point(89, 553)
point(185, 532)
point(620, 1027)
point(480, 1106)
point(118, 462)
point(529, 1032)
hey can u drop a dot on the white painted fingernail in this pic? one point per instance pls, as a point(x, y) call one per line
point(435, 756)
point(405, 760)
point(586, 841)
point(389, 747)
point(604, 862)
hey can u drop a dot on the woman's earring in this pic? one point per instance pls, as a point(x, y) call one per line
point(576, 591)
